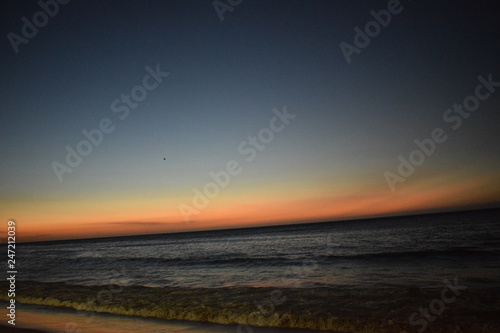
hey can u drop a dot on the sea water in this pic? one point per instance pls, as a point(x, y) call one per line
point(412, 251)
point(341, 276)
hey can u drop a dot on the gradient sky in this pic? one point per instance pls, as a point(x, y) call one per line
point(352, 120)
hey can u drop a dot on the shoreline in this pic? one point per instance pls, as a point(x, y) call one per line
point(319, 309)
point(49, 319)
point(12, 329)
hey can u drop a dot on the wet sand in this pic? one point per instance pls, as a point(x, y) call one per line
point(266, 310)
point(44, 319)
point(12, 329)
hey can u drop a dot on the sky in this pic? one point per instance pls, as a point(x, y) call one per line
point(117, 116)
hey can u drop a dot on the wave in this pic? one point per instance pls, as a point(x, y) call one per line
point(457, 254)
point(341, 310)
point(195, 261)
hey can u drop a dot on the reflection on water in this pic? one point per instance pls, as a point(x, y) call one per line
point(56, 320)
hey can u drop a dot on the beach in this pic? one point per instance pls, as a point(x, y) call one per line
point(37, 319)
point(433, 273)
point(10, 329)
point(232, 166)
point(317, 309)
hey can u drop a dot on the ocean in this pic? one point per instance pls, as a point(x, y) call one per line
point(321, 276)
point(412, 251)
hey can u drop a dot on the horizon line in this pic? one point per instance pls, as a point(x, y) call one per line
point(488, 206)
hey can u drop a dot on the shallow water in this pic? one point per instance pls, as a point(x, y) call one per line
point(387, 310)
point(57, 320)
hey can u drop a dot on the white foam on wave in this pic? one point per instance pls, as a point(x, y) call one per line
point(56, 320)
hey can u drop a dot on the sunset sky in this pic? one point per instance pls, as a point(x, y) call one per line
point(228, 81)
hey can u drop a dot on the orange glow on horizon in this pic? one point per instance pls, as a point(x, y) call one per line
point(129, 216)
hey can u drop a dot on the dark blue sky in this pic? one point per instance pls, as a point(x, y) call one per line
point(352, 121)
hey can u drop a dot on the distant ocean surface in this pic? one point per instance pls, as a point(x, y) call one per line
point(413, 251)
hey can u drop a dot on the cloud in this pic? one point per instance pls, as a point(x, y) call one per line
point(129, 223)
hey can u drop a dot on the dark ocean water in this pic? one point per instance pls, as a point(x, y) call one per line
point(409, 251)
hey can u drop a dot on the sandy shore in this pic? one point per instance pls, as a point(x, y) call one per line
point(203, 310)
point(343, 310)
point(12, 329)
point(42, 319)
